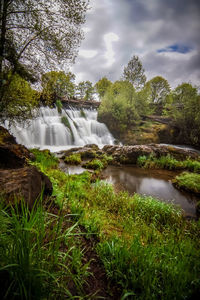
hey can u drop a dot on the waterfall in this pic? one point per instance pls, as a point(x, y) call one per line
point(56, 132)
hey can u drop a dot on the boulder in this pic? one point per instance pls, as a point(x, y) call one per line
point(12, 155)
point(130, 154)
point(26, 182)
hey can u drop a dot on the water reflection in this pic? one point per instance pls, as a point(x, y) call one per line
point(154, 183)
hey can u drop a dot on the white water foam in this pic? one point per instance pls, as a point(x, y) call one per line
point(47, 131)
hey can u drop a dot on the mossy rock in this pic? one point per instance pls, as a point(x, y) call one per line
point(95, 164)
point(73, 159)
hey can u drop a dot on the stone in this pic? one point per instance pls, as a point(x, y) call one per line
point(130, 154)
point(26, 182)
point(12, 155)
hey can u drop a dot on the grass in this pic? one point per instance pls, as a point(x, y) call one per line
point(38, 258)
point(73, 159)
point(168, 162)
point(95, 164)
point(148, 249)
point(188, 181)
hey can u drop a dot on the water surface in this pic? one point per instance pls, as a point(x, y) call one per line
point(155, 183)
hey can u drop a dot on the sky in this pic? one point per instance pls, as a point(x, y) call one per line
point(165, 34)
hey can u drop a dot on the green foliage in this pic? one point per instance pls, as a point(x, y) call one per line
point(19, 100)
point(31, 259)
point(183, 105)
point(85, 90)
point(148, 249)
point(45, 159)
point(134, 73)
point(83, 115)
point(119, 104)
point(59, 106)
point(56, 85)
point(73, 159)
point(188, 181)
point(65, 121)
point(162, 270)
point(160, 88)
point(52, 32)
point(168, 162)
point(94, 164)
point(102, 86)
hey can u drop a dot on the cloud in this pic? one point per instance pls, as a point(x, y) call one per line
point(164, 34)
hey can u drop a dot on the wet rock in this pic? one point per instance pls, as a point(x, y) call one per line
point(12, 155)
point(86, 152)
point(130, 154)
point(26, 182)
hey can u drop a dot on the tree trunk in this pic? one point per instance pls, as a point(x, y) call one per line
point(3, 15)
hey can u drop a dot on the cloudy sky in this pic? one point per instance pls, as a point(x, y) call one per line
point(165, 34)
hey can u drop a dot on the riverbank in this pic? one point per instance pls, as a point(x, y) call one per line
point(87, 241)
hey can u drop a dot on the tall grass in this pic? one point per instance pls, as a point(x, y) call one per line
point(36, 260)
point(168, 162)
point(148, 249)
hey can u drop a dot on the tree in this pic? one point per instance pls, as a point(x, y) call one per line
point(134, 72)
point(160, 88)
point(57, 85)
point(21, 100)
point(102, 86)
point(85, 90)
point(184, 107)
point(38, 35)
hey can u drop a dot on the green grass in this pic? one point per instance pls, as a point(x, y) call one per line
point(73, 159)
point(147, 247)
point(95, 164)
point(38, 258)
point(168, 162)
point(188, 181)
point(44, 159)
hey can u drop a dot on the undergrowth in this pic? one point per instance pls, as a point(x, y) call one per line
point(168, 162)
point(38, 258)
point(188, 181)
point(147, 247)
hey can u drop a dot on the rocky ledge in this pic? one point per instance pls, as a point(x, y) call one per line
point(130, 154)
point(17, 178)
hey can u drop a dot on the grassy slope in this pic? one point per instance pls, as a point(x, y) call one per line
point(147, 248)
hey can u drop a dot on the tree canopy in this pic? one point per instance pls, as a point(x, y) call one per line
point(56, 85)
point(85, 90)
point(160, 88)
point(102, 85)
point(36, 36)
point(134, 72)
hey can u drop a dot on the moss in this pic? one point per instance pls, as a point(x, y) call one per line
point(65, 121)
point(188, 181)
point(74, 159)
point(83, 115)
point(95, 164)
point(59, 106)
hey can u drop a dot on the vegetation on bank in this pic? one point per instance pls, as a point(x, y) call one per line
point(168, 162)
point(188, 181)
point(126, 102)
point(148, 249)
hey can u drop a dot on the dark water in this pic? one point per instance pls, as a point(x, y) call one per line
point(154, 183)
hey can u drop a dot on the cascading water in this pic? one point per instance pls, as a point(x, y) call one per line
point(54, 131)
